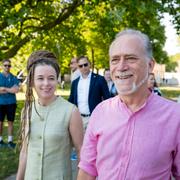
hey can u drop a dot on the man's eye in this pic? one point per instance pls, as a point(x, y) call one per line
point(115, 60)
point(131, 59)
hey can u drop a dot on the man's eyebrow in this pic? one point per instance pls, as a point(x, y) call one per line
point(115, 56)
point(126, 55)
point(40, 75)
point(131, 55)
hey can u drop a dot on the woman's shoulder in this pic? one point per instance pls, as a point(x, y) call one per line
point(65, 102)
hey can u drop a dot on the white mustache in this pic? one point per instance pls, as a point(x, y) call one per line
point(123, 74)
point(134, 86)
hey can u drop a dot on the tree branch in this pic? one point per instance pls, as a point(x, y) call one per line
point(12, 52)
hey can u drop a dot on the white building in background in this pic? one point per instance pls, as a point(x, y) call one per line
point(159, 71)
point(172, 78)
point(169, 78)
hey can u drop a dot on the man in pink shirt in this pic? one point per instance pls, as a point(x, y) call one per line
point(136, 135)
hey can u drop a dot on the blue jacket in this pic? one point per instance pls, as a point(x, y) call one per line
point(98, 91)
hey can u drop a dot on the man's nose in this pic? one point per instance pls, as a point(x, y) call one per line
point(122, 64)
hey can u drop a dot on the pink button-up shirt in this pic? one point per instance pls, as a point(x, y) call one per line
point(122, 145)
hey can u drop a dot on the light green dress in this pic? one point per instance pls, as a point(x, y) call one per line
point(49, 147)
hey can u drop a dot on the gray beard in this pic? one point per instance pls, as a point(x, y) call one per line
point(134, 86)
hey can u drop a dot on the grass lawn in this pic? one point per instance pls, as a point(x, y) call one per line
point(9, 157)
point(170, 92)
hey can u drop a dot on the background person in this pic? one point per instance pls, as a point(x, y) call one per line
point(110, 83)
point(9, 86)
point(75, 73)
point(88, 90)
point(152, 85)
point(135, 135)
point(49, 124)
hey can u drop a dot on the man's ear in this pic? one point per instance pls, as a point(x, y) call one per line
point(151, 65)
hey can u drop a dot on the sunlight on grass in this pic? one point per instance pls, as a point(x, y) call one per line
point(170, 88)
point(5, 124)
point(21, 95)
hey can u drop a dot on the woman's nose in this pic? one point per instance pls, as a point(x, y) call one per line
point(46, 82)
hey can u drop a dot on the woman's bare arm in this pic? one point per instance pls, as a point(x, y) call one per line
point(76, 130)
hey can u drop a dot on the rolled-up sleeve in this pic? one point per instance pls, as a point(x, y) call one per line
point(89, 148)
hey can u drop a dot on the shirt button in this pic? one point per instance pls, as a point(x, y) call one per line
point(39, 154)
point(40, 137)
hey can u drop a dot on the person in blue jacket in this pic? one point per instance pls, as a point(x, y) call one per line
point(88, 90)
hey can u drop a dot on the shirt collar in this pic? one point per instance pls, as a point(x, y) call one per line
point(148, 100)
point(88, 77)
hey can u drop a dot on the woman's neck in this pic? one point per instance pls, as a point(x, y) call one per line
point(46, 102)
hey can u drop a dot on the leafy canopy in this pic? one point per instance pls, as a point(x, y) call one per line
point(75, 27)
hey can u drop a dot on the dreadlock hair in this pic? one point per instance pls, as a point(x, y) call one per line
point(41, 57)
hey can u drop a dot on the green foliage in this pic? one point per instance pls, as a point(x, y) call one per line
point(173, 8)
point(175, 57)
point(172, 64)
point(78, 27)
point(170, 93)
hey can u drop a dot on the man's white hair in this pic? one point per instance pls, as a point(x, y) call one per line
point(145, 39)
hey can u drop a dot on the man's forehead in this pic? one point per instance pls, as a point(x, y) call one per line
point(83, 60)
point(6, 62)
point(73, 60)
point(128, 39)
point(128, 44)
point(107, 71)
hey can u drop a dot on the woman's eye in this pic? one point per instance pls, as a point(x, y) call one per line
point(51, 78)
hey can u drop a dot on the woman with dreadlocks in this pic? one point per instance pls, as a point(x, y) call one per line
point(49, 124)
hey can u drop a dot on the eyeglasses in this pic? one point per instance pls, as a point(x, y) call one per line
point(81, 65)
point(7, 65)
